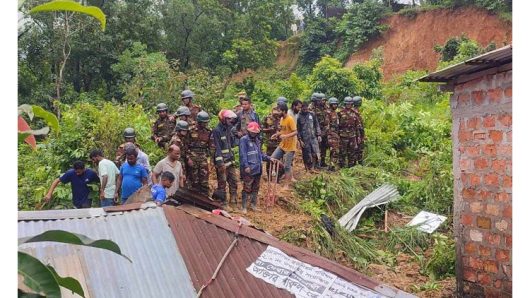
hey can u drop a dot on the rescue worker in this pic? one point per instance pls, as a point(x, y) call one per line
point(223, 157)
point(197, 157)
point(245, 116)
point(309, 137)
point(271, 125)
point(280, 100)
point(347, 133)
point(184, 113)
point(320, 111)
point(187, 97)
point(333, 133)
point(357, 101)
point(240, 96)
point(250, 166)
point(129, 136)
point(180, 138)
point(163, 126)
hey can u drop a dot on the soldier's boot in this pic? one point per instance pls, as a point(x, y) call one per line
point(254, 201)
point(233, 198)
point(244, 202)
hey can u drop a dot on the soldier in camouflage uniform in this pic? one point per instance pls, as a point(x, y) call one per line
point(271, 125)
point(180, 138)
point(163, 126)
point(223, 157)
point(240, 96)
point(320, 111)
point(187, 97)
point(348, 123)
point(357, 101)
point(129, 136)
point(333, 133)
point(199, 149)
point(183, 113)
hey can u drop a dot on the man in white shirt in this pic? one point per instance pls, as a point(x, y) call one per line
point(108, 174)
point(171, 164)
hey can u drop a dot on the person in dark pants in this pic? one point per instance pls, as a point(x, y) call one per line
point(79, 177)
point(223, 157)
point(309, 137)
point(250, 167)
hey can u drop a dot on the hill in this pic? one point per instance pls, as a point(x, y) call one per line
point(409, 42)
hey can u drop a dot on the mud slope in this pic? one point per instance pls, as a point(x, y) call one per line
point(409, 42)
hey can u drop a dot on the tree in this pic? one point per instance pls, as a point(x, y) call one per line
point(330, 77)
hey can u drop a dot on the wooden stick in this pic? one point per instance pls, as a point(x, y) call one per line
point(386, 220)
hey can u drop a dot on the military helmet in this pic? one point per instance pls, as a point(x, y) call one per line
point(129, 133)
point(333, 100)
point(182, 125)
point(357, 101)
point(161, 107)
point(202, 116)
point(186, 93)
point(321, 96)
point(281, 99)
point(348, 100)
point(314, 96)
point(183, 111)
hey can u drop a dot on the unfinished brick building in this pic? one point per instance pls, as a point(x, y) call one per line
point(481, 107)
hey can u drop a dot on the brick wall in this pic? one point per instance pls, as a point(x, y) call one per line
point(482, 163)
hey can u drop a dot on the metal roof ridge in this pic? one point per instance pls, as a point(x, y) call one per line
point(81, 213)
point(299, 253)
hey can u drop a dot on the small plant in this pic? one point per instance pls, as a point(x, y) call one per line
point(407, 238)
point(443, 259)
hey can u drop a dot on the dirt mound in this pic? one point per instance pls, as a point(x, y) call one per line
point(288, 52)
point(410, 40)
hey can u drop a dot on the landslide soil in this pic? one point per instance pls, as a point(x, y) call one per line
point(285, 216)
point(409, 42)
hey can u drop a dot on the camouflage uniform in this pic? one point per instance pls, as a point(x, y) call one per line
point(333, 137)
point(360, 137)
point(198, 147)
point(223, 157)
point(195, 109)
point(163, 128)
point(348, 123)
point(323, 121)
point(120, 154)
point(271, 125)
point(182, 142)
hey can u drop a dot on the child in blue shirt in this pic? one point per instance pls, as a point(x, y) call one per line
point(159, 190)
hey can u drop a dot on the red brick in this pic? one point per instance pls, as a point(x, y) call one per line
point(485, 195)
point(484, 222)
point(499, 165)
point(470, 275)
point(489, 150)
point(481, 163)
point(491, 266)
point(493, 239)
point(472, 151)
point(508, 92)
point(476, 207)
point(506, 120)
point(508, 241)
point(479, 135)
point(467, 219)
point(507, 212)
point(473, 123)
point(493, 209)
point(507, 181)
point(478, 97)
point(470, 248)
point(484, 278)
point(504, 150)
point(463, 98)
point(474, 180)
point(465, 165)
point(496, 136)
point(507, 269)
point(491, 179)
point(491, 293)
point(475, 263)
point(509, 136)
point(462, 126)
point(503, 197)
point(498, 284)
point(495, 95)
point(489, 121)
point(464, 136)
point(502, 255)
point(484, 251)
point(468, 193)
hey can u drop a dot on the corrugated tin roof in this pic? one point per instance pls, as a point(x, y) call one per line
point(157, 268)
point(488, 60)
point(203, 238)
